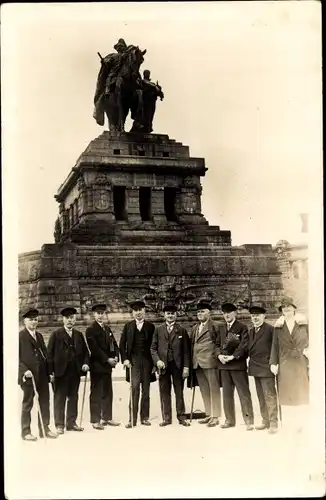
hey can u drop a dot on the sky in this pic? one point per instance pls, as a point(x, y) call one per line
point(242, 85)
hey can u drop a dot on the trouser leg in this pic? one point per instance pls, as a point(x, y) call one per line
point(146, 384)
point(178, 383)
point(268, 386)
point(72, 404)
point(60, 397)
point(44, 402)
point(165, 395)
point(27, 405)
point(241, 382)
point(95, 397)
point(214, 392)
point(135, 391)
point(107, 397)
point(204, 389)
point(228, 396)
point(262, 401)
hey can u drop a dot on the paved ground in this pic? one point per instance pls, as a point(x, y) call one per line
point(154, 462)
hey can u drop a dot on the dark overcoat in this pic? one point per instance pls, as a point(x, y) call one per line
point(233, 343)
point(287, 352)
point(32, 356)
point(127, 341)
point(260, 345)
point(102, 346)
point(58, 351)
point(180, 345)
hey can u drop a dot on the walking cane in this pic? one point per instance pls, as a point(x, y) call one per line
point(38, 407)
point(83, 401)
point(278, 400)
point(131, 401)
point(193, 398)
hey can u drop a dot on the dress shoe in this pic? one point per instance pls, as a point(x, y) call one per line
point(146, 422)
point(164, 423)
point(110, 422)
point(272, 430)
point(185, 423)
point(227, 425)
point(29, 437)
point(213, 422)
point(250, 427)
point(98, 426)
point(129, 426)
point(261, 427)
point(204, 421)
point(60, 430)
point(49, 434)
point(75, 427)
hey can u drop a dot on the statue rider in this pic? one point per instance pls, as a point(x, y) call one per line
point(107, 78)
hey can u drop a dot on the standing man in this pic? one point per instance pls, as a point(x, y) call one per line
point(203, 342)
point(171, 354)
point(68, 359)
point(135, 349)
point(104, 356)
point(232, 352)
point(33, 363)
point(260, 344)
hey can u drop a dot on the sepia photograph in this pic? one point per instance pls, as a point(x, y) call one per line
point(163, 295)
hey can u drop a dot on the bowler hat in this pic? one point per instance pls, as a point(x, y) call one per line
point(286, 301)
point(203, 304)
point(257, 308)
point(228, 307)
point(170, 308)
point(137, 304)
point(30, 313)
point(68, 311)
point(99, 307)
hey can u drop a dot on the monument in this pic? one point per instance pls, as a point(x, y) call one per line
point(130, 222)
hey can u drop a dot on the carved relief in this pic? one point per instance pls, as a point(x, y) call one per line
point(102, 179)
point(101, 200)
point(189, 202)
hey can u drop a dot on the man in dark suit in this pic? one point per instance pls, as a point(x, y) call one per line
point(232, 352)
point(260, 345)
point(135, 344)
point(104, 356)
point(68, 360)
point(204, 362)
point(33, 363)
point(170, 351)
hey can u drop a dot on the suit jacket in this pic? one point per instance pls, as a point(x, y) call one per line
point(127, 341)
point(32, 356)
point(233, 342)
point(260, 345)
point(102, 346)
point(206, 357)
point(180, 345)
point(58, 348)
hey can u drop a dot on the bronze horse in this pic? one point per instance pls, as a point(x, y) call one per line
point(127, 92)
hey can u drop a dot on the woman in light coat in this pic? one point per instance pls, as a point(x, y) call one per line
point(289, 361)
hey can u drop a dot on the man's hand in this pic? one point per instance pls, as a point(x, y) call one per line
point(85, 368)
point(185, 372)
point(51, 378)
point(160, 365)
point(221, 357)
point(28, 374)
point(274, 369)
point(228, 358)
point(306, 352)
point(112, 362)
point(127, 363)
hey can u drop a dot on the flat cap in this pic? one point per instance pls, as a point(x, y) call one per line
point(203, 304)
point(228, 307)
point(68, 311)
point(137, 304)
point(30, 313)
point(257, 308)
point(170, 308)
point(99, 307)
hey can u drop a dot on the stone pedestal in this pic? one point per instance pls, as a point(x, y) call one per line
point(130, 225)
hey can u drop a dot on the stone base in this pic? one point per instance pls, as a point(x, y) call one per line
point(62, 274)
